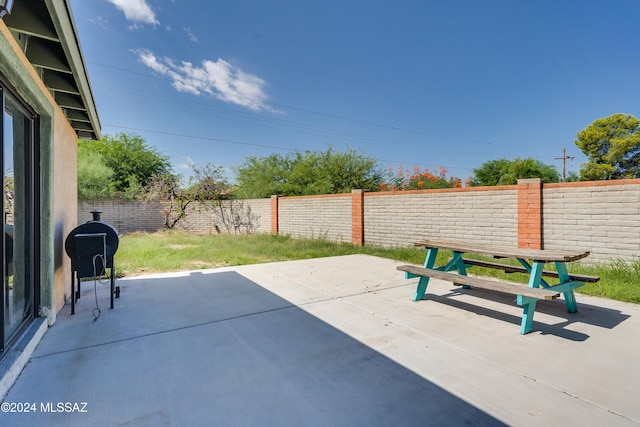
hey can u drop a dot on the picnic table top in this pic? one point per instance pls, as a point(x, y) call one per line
point(504, 251)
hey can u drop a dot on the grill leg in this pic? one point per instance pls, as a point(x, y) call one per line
point(113, 283)
point(73, 292)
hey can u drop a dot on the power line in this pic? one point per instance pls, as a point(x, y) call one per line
point(245, 117)
point(229, 141)
point(275, 123)
point(289, 126)
point(181, 135)
point(329, 115)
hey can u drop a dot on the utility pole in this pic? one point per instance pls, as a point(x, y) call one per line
point(564, 163)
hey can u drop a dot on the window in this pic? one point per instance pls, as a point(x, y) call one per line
point(20, 216)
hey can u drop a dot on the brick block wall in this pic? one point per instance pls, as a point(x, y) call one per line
point(125, 216)
point(232, 217)
point(601, 216)
point(129, 216)
point(478, 215)
point(357, 217)
point(530, 213)
point(326, 217)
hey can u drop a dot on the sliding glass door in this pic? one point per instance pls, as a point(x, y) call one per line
point(19, 213)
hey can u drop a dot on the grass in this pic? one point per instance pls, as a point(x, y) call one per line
point(143, 253)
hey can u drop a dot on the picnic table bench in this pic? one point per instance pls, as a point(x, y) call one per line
point(531, 262)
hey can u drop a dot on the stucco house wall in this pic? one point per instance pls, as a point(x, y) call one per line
point(58, 194)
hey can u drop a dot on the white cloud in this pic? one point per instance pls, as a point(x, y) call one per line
point(188, 165)
point(136, 11)
point(100, 22)
point(217, 78)
point(192, 36)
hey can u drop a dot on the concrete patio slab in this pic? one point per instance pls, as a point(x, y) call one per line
point(331, 341)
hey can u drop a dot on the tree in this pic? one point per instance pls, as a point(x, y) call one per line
point(95, 178)
point(9, 193)
point(206, 189)
point(260, 177)
point(572, 177)
point(307, 173)
point(612, 145)
point(506, 172)
point(133, 161)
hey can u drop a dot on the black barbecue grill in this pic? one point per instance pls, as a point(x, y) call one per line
point(91, 247)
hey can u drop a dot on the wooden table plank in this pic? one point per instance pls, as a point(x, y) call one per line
point(479, 282)
point(504, 251)
point(519, 269)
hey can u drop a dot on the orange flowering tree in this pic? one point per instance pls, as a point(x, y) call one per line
point(418, 179)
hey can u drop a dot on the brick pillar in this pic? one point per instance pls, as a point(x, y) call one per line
point(357, 217)
point(274, 214)
point(530, 213)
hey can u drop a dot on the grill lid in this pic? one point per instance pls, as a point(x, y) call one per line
point(90, 227)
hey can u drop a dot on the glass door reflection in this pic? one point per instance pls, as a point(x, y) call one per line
point(17, 135)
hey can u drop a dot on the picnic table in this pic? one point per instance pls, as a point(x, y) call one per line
point(531, 262)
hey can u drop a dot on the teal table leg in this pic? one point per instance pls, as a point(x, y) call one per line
point(429, 262)
point(570, 300)
point(569, 296)
point(462, 269)
point(529, 309)
point(421, 289)
point(535, 276)
point(527, 267)
point(529, 304)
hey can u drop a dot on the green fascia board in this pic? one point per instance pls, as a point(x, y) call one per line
point(62, 18)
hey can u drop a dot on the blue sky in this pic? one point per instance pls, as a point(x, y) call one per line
point(417, 83)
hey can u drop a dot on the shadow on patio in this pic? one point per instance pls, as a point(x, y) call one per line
point(219, 349)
